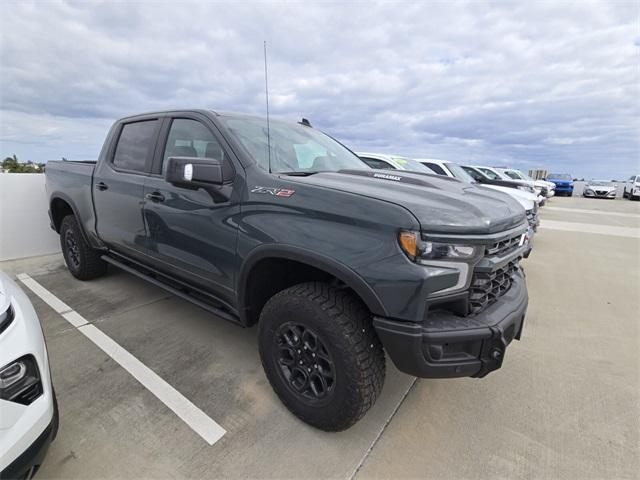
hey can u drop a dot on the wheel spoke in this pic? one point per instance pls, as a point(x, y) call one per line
point(304, 361)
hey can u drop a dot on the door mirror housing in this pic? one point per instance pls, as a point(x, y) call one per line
point(194, 172)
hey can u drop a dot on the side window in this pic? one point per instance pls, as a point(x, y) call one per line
point(435, 167)
point(376, 163)
point(190, 138)
point(134, 145)
point(476, 176)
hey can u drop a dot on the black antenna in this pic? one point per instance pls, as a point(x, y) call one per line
point(266, 91)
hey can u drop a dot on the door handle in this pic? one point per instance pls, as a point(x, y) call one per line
point(155, 197)
point(102, 186)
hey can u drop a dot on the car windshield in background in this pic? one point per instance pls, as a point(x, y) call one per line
point(599, 183)
point(294, 148)
point(489, 173)
point(458, 172)
point(412, 165)
point(512, 174)
point(560, 176)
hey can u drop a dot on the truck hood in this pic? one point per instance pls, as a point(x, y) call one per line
point(526, 199)
point(440, 204)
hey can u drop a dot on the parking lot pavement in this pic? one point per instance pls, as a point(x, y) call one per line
point(564, 405)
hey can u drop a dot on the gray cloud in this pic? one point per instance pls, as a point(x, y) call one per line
point(551, 84)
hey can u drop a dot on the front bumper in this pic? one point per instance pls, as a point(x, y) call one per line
point(26, 465)
point(446, 345)
point(599, 194)
point(564, 188)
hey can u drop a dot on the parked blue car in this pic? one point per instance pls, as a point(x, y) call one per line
point(563, 181)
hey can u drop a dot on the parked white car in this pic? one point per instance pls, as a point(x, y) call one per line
point(520, 175)
point(392, 162)
point(632, 188)
point(496, 174)
point(28, 409)
point(480, 176)
point(600, 189)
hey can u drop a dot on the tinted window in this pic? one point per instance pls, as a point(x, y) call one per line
point(435, 167)
point(134, 145)
point(375, 163)
point(490, 173)
point(190, 138)
point(476, 175)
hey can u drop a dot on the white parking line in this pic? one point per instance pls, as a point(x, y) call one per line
point(195, 418)
point(593, 212)
point(628, 232)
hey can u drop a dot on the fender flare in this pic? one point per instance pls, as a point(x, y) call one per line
point(65, 198)
point(314, 259)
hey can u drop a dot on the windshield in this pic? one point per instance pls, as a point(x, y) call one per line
point(523, 175)
point(490, 173)
point(560, 176)
point(294, 148)
point(458, 172)
point(599, 183)
point(512, 174)
point(411, 165)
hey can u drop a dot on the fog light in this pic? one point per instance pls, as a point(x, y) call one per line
point(12, 373)
point(20, 381)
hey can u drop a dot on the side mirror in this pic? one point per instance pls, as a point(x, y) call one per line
point(194, 172)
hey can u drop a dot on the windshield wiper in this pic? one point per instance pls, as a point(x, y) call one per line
point(297, 173)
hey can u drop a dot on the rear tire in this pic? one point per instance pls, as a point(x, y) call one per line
point(83, 262)
point(321, 354)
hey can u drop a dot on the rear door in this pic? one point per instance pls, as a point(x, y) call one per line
point(188, 233)
point(118, 186)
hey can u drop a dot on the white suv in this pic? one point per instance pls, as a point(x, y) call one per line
point(632, 188)
point(28, 409)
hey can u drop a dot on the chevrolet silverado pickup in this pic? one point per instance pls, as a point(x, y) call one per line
point(278, 225)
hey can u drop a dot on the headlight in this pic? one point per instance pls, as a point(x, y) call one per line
point(588, 190)
point(20, 381)
point(417, 249)
point(6, 318)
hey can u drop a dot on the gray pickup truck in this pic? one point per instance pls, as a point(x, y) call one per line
point(281, 226)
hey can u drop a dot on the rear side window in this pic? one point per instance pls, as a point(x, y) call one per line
point(435, 167)
point(375, 163)
point(135, 145)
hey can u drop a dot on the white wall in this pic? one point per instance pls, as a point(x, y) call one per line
point(24, 222)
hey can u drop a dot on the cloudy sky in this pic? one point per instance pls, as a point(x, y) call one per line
point(528, 84)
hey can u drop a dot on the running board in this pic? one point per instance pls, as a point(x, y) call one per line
point(218, 311)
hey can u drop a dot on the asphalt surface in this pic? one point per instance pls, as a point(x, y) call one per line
point(566, 403)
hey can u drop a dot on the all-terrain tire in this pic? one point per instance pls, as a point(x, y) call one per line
point(83, 262)
point(341, 325)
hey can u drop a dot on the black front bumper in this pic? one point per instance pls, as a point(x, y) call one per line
point(445, 345)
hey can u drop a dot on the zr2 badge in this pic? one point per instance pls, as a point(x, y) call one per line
point(277, 192)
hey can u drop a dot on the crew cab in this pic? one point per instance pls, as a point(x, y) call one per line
point(276, 224)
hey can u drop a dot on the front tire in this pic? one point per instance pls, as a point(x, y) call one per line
point(321, 354)
point(83, 262)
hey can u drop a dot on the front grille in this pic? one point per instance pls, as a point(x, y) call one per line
point(487, 287)
point(503, 246)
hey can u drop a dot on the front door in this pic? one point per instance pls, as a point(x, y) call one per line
point(191, 235)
